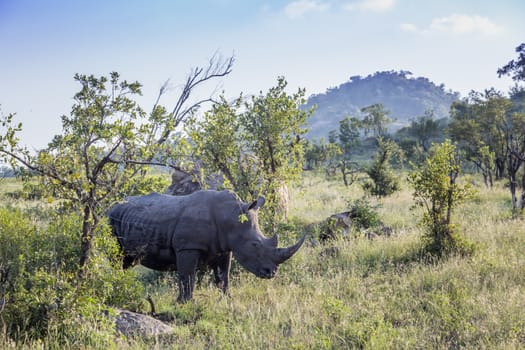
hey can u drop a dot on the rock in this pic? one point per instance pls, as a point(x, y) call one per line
point(335, 225)
point(340, 225)
point(132, 324)
point(182, 183)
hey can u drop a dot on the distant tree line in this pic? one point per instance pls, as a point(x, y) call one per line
point(488, 129)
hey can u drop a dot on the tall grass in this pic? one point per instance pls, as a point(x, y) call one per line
point(359, 293)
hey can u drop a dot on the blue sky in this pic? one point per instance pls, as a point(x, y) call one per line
point(315, 44)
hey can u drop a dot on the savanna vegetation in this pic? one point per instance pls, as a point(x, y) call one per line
point(449, 272)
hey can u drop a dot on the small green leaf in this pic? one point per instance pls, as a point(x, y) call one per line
point(243, 218)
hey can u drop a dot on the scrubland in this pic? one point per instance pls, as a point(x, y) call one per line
point(354, 292)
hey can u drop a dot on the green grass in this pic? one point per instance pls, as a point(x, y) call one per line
point(365, 294)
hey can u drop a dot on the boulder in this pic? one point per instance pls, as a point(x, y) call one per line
point(183, 183)
point(132, 324)
point(341, 224)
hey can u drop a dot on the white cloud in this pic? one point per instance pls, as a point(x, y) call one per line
point(408, 27)
point(463, 24)
point(370, 5)
point(298, 9)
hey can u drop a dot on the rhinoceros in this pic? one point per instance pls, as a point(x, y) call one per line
point(178, 233)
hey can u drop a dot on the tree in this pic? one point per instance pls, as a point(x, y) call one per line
point(88, 163)
point(219, 145)
point(375, 120)
point(259, 150)
point(106, 142)
point(479, 121)
point(515, 68)
point(424, 128)
point(349, 132)
point(516, 139)
point(437, 192)
point(321, 153)
point(274, 125)
point(384, 182)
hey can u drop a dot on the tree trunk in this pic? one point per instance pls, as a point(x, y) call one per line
point(343, 171)
point(500, 168)
point(522, 196)
point(88, 231)
point(512, 169)
point(485, 179)
point(450, 199)
point(512, 188)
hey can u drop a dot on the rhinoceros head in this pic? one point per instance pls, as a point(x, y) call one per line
point(255, 252)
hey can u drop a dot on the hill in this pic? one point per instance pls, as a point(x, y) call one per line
point(404, 96)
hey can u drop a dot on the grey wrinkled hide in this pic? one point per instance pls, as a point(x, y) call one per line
point(169, 233)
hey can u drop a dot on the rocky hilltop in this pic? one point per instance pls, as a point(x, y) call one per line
point(405, 96)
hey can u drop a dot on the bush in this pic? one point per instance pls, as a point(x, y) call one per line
point(437, 192)
point(360, 216)
point(364, 216)
point(44, 297)
point(383, 182)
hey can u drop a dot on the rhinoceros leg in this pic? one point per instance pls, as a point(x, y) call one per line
point(187, 261)
point(128, 262)
point(221, 271)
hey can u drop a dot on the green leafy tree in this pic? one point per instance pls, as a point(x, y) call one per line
point(273, 125)
point(484, 160)
point(218, 143)
point(437, 192)
point(491, 120)
point(383, 180)
point(321, 153)
point(375, 120)
point(479, 121)
point(349, 133)
point(258, 150)
point(516, 138)
point(515, 68)
point(424, 128)
point(313, 154)
point(88, 163)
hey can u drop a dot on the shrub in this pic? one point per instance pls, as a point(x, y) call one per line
point(364, 216)
point(383, 181)
point(437, 191)
point(360, 216)
point(44, 298)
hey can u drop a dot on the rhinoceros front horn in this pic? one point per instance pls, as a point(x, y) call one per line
point(283, 254)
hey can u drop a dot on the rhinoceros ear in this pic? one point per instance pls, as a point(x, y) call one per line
point(257, 204)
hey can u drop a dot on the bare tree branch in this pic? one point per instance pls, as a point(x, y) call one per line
point(217, 67)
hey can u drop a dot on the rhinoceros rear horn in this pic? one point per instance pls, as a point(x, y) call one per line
point(273, 241)
point(257, 204)
point(283, 254)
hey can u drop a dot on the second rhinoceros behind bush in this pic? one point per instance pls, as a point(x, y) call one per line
point(168, 233)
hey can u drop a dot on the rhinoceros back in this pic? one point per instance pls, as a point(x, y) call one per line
point(148, 224)
point(144, 224)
